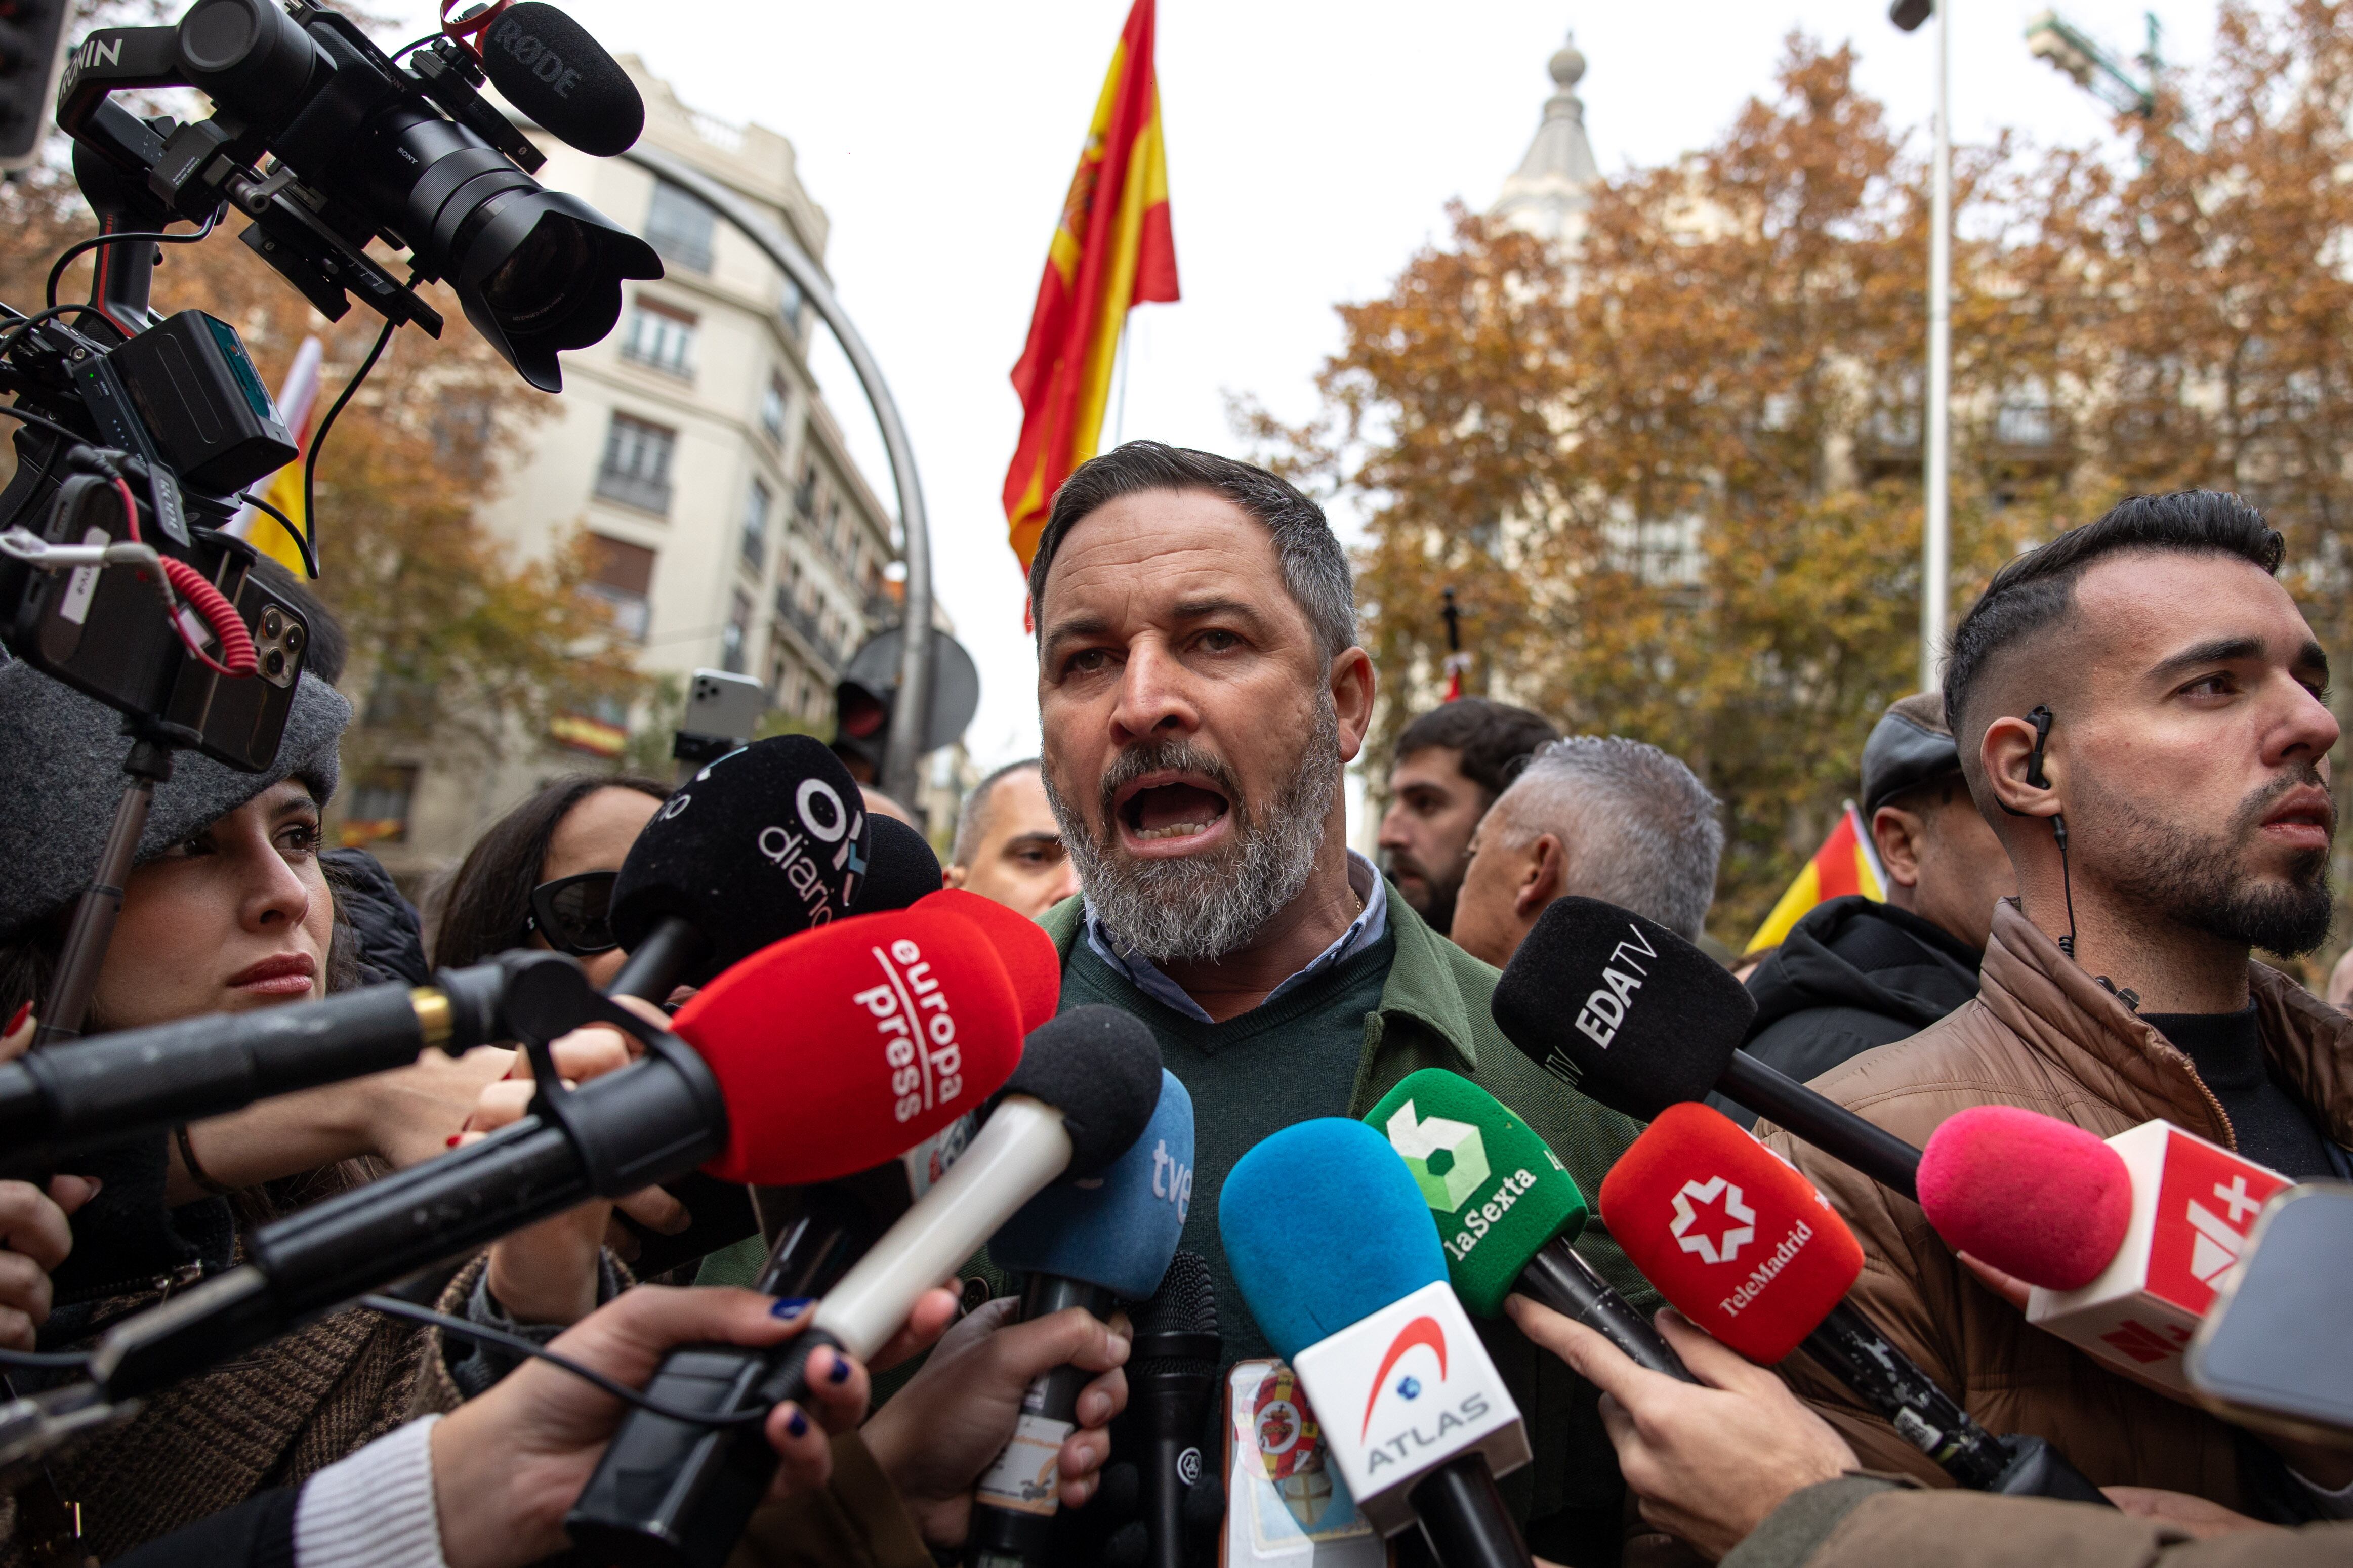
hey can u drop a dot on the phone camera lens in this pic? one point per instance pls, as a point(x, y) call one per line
point(274, 662)
point(273, 623)
point(293, 639)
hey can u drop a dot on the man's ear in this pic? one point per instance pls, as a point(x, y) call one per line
point(2006, 754)
point(1352, 699)
point(1897, 834)
point(952, 876)
point(1542, 878)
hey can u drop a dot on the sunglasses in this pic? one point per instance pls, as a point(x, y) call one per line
point(574, 913)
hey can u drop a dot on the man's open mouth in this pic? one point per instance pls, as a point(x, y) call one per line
point(1158, 808)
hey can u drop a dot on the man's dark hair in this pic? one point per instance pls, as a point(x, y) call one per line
point(1495, 739)
point(2035, 590)
point(1314, 567)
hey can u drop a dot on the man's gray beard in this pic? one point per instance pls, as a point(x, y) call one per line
point(1201, 907)
point(2202, 883)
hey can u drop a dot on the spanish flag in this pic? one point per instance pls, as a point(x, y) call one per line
point(1846, 863)
point(1112, 250)
point(297, 401)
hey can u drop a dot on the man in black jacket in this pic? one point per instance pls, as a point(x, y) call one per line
point(1855, 974)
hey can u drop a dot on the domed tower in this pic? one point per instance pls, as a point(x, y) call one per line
point(1547, 195)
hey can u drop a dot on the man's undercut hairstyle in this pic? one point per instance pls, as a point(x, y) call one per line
point(1638, 828)
point(1494, 740)
point(972, 822)
point(2036, 590)
point(1314, 567)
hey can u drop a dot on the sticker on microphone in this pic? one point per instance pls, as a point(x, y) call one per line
point(1288, 1503)
point(1026, 1477)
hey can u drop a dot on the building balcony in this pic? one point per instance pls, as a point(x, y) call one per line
point(635, 491)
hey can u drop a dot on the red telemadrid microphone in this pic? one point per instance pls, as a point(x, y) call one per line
point(1749, 1250)
point(2125, 1242)
point(824, 1054)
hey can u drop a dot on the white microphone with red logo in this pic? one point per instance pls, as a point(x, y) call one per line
point(2125, 1242)
point(1337, 1259)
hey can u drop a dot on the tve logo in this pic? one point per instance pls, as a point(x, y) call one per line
point(1721, 1239)
point(1423, 1391)
point(1171, 1179)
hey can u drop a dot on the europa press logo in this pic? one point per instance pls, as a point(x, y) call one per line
point(1726, 1244)
point(1447, 1159)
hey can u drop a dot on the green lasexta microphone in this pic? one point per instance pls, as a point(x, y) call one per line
point(1506, 1210)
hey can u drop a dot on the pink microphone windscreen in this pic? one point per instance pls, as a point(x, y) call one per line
point(2029, 1193)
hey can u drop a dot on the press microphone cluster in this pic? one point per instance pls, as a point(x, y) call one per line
point(2126, 1241)
point(668, 1492)
point(1625, 1011)
point(1507, 1210)
point(1746, 1249)
point(1329, 1241)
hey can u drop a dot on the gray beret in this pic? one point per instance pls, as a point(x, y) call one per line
point(1911, 745)
point(65, 751)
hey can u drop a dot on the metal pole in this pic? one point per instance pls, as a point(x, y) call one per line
point(1936, 535)
point(911, 706)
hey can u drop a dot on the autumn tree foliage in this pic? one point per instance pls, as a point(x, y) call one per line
point(1673, 473)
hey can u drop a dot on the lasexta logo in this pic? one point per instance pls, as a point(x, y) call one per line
point(1720, 1239)
point(1447, 1159)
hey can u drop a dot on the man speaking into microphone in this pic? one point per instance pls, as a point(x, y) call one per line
point(1199, 689)
point(2138, 710)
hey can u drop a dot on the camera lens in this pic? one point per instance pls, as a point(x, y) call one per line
point(538, 280)
point(273, 623)
point(274, 662)
point(293, 639)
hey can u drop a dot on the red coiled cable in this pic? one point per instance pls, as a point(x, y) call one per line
point(237, 658)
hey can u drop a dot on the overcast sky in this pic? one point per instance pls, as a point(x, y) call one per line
point(1312, 149)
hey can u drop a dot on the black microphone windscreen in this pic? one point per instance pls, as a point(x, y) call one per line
point(547, 66)
point(761, 844)
point(1185, 1304)
point(1620, 1008)
point(1101, 1068)
point(900, 867)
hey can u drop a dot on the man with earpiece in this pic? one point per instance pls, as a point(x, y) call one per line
point(2139, 709)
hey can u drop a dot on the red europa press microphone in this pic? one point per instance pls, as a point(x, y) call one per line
point(2126, 1241)
point(1749, 1250)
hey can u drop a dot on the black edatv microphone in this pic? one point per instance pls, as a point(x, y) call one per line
point(1625, 1011)
point(1172, 1376)
point(547, 66)
point(117, 1086)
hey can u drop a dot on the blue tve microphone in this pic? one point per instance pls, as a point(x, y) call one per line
point(1337, 1257)
point(1088, 1243)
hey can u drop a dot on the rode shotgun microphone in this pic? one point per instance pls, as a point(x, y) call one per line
point(668, 1492)
point(768, 841)
point(792, 1076)
point(1172, 1374)
point(2125, 1242)
point(117, 1086)
point(1331, 1244)
point(1507, 1210)
point(1746, 1249)
point(1625, 1011)
point(547, 66)
point(1089, 1243)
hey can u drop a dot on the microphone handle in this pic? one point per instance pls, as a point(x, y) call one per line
point(1169, 1399)
point(1823, 1123)
point(1561, 1278)
point(1015, 1499)
point(656, 965)
point(1859, 1356)
point(1464, 1517)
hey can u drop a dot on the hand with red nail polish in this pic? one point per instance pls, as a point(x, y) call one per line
point(33, 1240)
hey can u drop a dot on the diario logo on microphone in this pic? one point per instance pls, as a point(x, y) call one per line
point(1449, 1161)
point(916, 1027)
point(825, 833)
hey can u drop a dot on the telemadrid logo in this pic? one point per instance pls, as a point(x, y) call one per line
point(1722, 1248)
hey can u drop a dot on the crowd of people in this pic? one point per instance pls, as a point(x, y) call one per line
point(2120, 796)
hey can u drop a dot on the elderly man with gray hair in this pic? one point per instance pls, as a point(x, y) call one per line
point(1600, 816)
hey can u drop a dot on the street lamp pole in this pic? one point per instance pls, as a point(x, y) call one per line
point(1936, 539)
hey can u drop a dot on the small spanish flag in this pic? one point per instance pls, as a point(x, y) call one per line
point(1846, 863)
point(297, 401)
point(1112, 250)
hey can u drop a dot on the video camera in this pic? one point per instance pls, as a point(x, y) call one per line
point(139, 437)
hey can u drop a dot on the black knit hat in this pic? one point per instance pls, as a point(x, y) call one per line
point(62, 753)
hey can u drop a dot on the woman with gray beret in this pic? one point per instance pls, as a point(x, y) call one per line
point(227, 909)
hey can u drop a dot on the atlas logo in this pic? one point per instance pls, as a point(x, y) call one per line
point(802, 856)
point(1724, 1247)
point(1447, 1159)
point(1606, 1008)
point(1423, 1331)
point(1444, 1421)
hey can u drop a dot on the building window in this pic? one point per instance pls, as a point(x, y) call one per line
point(805, 493)
point(737, 634)
point(773, 404)
point(788, 305)
point(635, 467)
point(379, 808)
point(755, 526)
point(661, 337)
point(2024, 419)
point(678, 226)
point(622, 575)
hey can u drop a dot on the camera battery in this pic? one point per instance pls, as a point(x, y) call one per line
point(203, 403)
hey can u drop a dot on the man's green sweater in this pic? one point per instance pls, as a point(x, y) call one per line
point(1332, 1048)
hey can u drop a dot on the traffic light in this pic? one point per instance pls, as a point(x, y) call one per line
point(862, 728)
point(32, 52)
